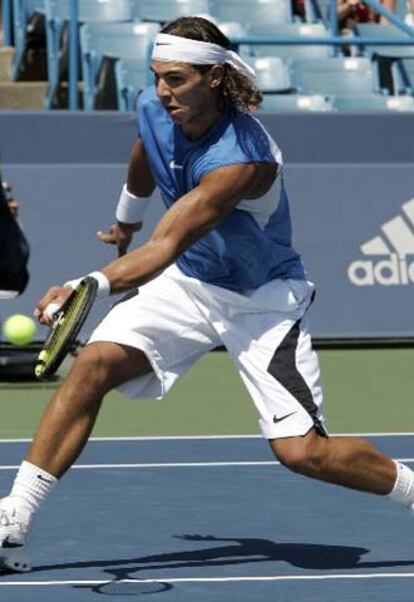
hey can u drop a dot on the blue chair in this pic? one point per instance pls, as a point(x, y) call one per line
point(57, 16)
point(401, 9)
point(386, 32)
point(272, 74)
point(330, 64)
point(315, 11)
point(287, 51)
point(405, 75)
point(374, 102)
point(252, 12)
point(164, 11)
point(321, 9)
point(131, 77)
point(283, 103)
point(313, 67)
point(23, 12)
point(114, 41)
point(231, 28)
point(334, 76)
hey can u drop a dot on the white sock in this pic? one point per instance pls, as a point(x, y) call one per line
point(30, 488)
point(403, 490)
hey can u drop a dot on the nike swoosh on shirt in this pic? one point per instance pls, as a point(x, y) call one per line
point(175, 165)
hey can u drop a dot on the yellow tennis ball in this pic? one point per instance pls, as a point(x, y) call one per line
point(19, 329)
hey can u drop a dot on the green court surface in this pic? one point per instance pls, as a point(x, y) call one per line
point(366, 390)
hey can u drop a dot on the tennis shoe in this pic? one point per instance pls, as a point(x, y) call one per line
point(13, 540)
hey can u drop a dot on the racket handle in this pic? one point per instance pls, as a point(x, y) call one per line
point(51, 309)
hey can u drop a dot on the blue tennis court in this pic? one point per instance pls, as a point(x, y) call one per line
point(210, 518)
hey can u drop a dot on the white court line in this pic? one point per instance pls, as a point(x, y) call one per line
point(178, 464)
point(163, 465)
point(337, 576)
point(208, 437)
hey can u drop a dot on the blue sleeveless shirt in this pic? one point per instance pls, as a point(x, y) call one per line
point(253, 243)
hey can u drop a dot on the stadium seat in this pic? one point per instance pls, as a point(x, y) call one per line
point(282, 103)
point(405, 69)
point(23, 12)
point(57, 15)
point(322, 9)
point(163, 11)
point(386, 32)
point(373, 102)
point(272, 74)
point(130, 78)
point(113, 40)
point(231, 29)
point(252, 12)
point(401, 9)
point(336, 76)
point(316, 11)
point(330, 64)
point(286, 51)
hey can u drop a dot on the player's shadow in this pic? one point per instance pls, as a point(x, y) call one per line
point(237, 551)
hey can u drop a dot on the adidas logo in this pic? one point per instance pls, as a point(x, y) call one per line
point(396, 243)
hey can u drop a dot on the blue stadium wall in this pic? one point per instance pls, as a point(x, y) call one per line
point(351, 185)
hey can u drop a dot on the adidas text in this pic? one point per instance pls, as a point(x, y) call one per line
point(395, 271)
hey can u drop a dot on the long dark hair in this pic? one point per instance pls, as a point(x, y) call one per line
point(237, 89)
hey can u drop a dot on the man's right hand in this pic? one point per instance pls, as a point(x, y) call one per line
point(51, 302)
point(120, 235)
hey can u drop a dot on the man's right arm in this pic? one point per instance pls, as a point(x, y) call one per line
point(140, 185)
point(140, 181)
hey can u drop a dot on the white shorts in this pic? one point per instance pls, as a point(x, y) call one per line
point(175, 320)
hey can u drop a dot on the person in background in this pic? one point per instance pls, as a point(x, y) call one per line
point(392, 6)
point(10, 200)
point(14, 248)
point(351, 12)
point(298, 8)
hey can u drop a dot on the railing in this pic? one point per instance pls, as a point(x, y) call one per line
point(7, 23)
point(333, 39)
point(73, 54)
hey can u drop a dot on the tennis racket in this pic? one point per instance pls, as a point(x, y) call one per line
point(68, 321)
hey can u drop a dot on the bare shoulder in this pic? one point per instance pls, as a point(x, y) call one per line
point(249, 180)
point(263, 177)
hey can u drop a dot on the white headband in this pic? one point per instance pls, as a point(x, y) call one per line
point(183, 50)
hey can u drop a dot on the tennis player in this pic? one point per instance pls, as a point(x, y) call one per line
point(219, 269)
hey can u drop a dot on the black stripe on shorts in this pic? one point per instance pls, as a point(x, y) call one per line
point(283, 368)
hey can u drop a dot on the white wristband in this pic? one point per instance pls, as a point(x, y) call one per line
point(130, 208)
point(104, 286)
point(51, 309)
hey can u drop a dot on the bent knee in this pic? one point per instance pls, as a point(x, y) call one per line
point(92, 362)
point(303, 455)
point(109, 364)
